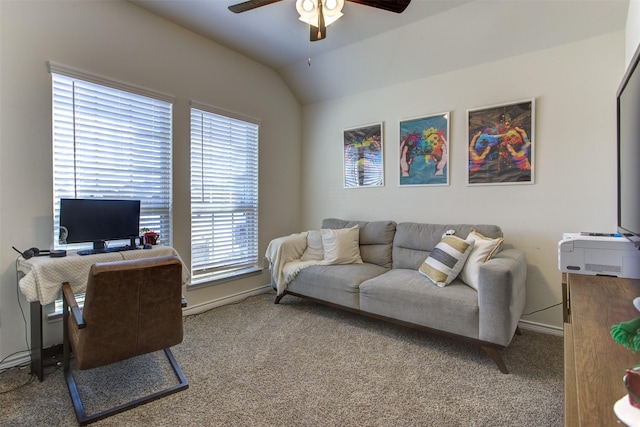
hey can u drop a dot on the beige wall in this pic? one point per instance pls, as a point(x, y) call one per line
point(121, 41)
point(574, 86)
point(632, 30)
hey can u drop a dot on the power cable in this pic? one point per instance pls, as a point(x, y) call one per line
point(542, 309)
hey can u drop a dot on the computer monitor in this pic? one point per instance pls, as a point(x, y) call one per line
point(628, 113)
point(99, 220)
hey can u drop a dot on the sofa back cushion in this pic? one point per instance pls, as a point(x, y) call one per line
point(413, 242)
point(376, 238)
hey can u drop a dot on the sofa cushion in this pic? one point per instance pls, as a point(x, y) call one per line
point(338, 284)
point(341, 246)
point(446, 260)
point(376, 238)
point(408, 296)
point(413, 242)
point(315, 250)
point(483, 250)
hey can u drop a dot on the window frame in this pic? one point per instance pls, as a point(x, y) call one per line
point(135, 91)
point(237, 209)
point(159, 139)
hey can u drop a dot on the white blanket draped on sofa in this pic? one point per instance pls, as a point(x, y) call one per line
point(284, 255)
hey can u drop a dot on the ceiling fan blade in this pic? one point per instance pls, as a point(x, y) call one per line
point(249, 5)
point(397, 6)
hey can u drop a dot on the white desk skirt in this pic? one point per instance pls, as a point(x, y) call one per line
point(43, 276)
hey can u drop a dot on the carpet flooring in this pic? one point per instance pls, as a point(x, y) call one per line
point(304, 364)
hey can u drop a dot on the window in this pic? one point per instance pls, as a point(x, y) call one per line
point(111, 140)
point(224, 194)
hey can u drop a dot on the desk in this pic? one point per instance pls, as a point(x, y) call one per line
point(594, 362)
point(42, 277)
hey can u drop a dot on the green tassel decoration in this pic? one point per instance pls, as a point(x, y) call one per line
point(627, 334)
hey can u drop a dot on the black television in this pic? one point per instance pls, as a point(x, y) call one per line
point(98, 221)
point(628, 130)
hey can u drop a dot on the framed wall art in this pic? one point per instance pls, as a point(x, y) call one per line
point(424, 151)
point(363, 157)
point(500, 144)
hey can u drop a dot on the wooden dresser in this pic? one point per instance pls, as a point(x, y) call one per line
point(594, 362)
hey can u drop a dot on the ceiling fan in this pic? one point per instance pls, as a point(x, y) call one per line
point(321, 13)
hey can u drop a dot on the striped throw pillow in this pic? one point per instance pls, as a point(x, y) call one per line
point(446, 260)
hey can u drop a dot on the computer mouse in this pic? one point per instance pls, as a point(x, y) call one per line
point(147, 246)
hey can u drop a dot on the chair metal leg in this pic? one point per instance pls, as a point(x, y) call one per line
point(84, 419)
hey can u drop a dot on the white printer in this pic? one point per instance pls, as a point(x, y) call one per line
point(598, 255)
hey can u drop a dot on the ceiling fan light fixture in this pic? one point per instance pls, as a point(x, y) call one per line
point(308, 5)
point(308, 11)
point(332, 10)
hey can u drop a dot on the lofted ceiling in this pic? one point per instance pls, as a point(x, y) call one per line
point(369, 47)
point(274, 36)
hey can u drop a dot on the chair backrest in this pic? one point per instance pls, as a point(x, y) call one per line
point(131, 308)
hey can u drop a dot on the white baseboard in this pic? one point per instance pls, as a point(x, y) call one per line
point(541, 327)
point(231, 299)
point(24, 357)
point(18, 359)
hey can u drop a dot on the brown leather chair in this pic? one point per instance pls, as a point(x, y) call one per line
point(131, 308)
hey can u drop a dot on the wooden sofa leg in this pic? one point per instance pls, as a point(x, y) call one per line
point(494, 354)
point(278, 298)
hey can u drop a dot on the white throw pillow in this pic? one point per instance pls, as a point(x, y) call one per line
point(483, 249)
point(446, 260)
point(315, 250)
point(341, 246)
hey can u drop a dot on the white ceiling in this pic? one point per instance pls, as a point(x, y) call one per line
point(430, 37)
point(273, 34)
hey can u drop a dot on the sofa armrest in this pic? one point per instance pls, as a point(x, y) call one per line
point(283, 250)
point(501, 295)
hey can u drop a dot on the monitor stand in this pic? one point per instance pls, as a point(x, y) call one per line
point(132, 241)
point(98, 246)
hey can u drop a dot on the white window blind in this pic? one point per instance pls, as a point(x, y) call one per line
point(224, 195)
point(111, 143)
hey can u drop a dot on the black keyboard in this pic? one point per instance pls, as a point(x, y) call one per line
point(107, 250)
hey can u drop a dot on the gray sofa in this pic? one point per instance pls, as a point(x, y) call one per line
point(387, 284)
